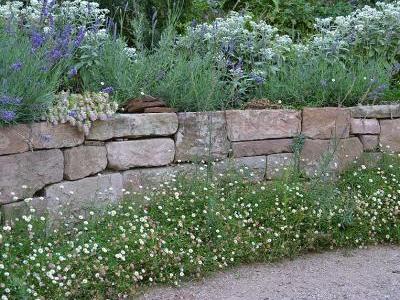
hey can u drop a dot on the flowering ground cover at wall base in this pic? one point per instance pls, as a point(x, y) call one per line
point(185, 229)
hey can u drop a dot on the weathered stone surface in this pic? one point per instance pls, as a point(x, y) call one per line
point(156, 178)
point(376, 111)
point(48, 136)
point(264, 147)
point(370, 142)
point(26, 173)
point(390, 135)
point(278, 164)
point(12, 211)
point(14, 139)
point(79, 197)
point(140, 153)
point(201, 136)
point(157, 110)
point(326, 123)
point(252, 168)
point(325, 156)
point(365, 126)
point(262, 124)
point(134, 126)
point(84, 161)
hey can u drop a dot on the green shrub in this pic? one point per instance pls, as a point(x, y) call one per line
point(194, 84)
point(317, 81)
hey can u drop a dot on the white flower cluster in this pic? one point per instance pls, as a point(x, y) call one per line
point(81, 110)
point(366, 30)
point(77, 12)
point(239, 36)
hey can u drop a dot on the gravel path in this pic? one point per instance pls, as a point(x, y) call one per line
point(361, 274)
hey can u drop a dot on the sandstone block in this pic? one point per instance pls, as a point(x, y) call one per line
point(329, 156)
point(201, 136)
point(84, 161)
point(326, 123)
point(71, 198)
point(25, 174)
point(370, 142)
point(264, 124)
point(135, 126)
point(263, 147)
point(14, 139)
point(390, 135)
point(365, 126)
point(140, 153)
point(376, 111)
point(48, 136)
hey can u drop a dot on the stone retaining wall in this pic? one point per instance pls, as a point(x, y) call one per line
point(57, 168)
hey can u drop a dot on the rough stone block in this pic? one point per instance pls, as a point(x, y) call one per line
point(370, 142)
point(365, 126)
point(12, 211)
point(71, 198)
point(279, 164)
point(14, 139)
point(84, 161)
point(48, 136)
point(155, 178)
point(248, 125)
point(329, 156)
point(25, 174)
point(326, 123)
point(135, 126)
point(201, 136)
point(264, 147)
point(376, 111)
point(140, 153)
point(390, 135)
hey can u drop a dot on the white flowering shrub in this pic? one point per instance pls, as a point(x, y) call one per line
point(81, 110)
point(369, 30)
point(51, 12)
point(242, 43)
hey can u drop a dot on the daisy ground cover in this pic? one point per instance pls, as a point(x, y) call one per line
point(186, 229)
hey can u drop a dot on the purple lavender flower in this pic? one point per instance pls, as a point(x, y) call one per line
point(45, 10)
point(16, 66)
point(79, 37)
point(7, 100)
point(258, 79)
point(73, 113)
point(7, 115)
point(72, 73)
point(37, 40)
point(108, 90)
point(55, 55)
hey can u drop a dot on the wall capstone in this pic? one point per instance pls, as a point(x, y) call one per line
point(326, 123)
point(250, 125)
point(14, 139)
point(134, 126)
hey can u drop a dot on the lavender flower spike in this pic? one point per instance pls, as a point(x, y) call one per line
point(7, 115)
point(108, 90)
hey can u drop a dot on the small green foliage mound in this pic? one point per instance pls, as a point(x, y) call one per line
point(188, 228)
